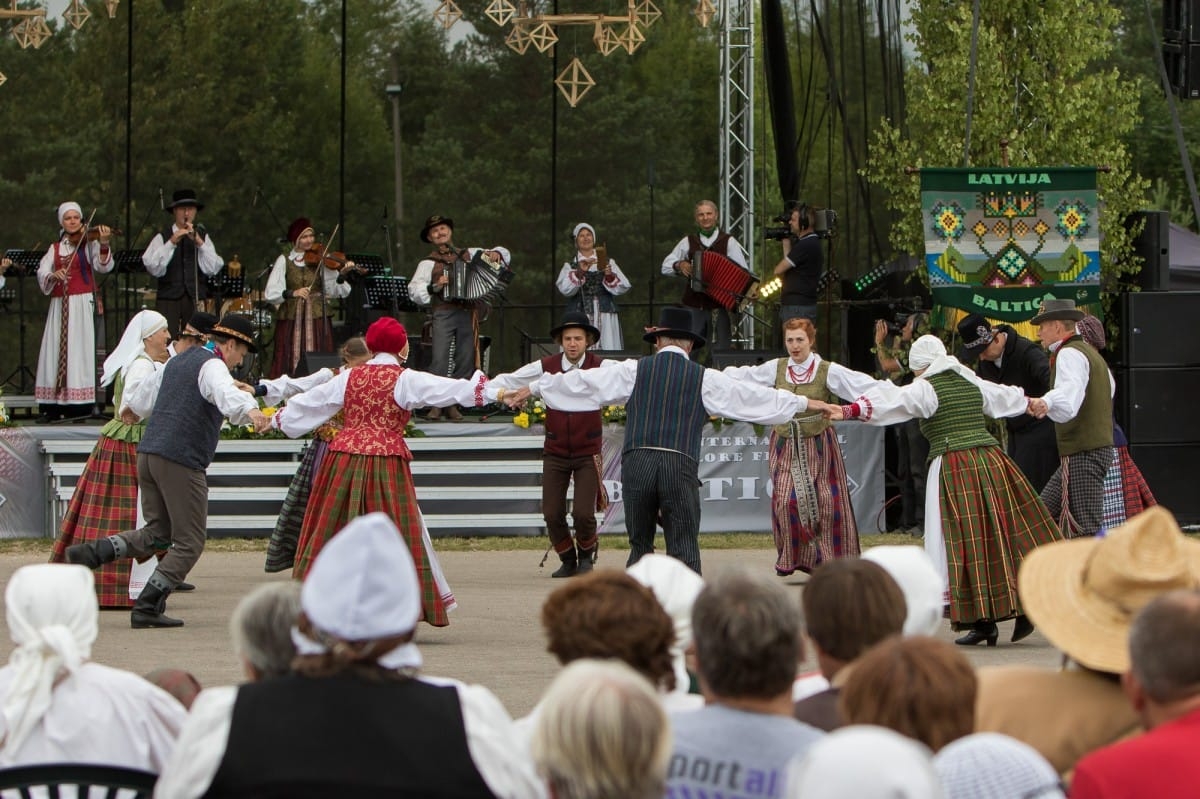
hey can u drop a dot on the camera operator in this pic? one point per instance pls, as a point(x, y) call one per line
point(801, 266)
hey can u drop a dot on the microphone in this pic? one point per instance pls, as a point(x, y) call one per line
point(254, 199)
point(162, 204)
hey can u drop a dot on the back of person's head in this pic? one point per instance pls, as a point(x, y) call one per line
point(608, 614)
point(747, 633)
point(261, 628)
point(1164, 647)
point(920, 687)
point(676, 587)
point(850, 605)
point(601, 733)
point(988, 765)
point(180, 684)
point(864, 762)
point(355, 349)
point(914, 572)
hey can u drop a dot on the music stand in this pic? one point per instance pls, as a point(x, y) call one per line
point(128, 263)
point(372, 262)
point(387, 293)
point(25, 263)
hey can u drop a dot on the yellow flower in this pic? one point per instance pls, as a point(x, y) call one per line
point(521, 420)
point(269, 410)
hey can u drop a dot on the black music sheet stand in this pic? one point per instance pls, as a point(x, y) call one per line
point(25, 264)
point(389, 294)
point(227, 285)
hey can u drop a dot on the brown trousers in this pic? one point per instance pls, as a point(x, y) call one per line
point(175, 504)
point(557, 473)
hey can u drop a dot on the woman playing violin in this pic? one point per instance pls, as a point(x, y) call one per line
point(66, 373)
point(302, 286)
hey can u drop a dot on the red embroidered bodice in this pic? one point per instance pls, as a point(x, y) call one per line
point(75, 282)
point(374, 422)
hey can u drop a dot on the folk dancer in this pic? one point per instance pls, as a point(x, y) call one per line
point(182, 256)
point(591, 286)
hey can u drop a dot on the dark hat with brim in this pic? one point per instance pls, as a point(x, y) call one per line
point(674, 323)
point(576, 319)
point(203, 322)
point(239, 327)
point(184, 197)
point(433, 222)
point(1053, 310)
point(976, 335)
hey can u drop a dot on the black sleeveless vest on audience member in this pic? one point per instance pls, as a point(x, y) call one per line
point(300, 737)
point(184, 427)
point(182, 271)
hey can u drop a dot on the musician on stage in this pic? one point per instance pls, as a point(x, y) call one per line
point(66, 373)
point(708, 237)
point(301, 289)
point(591, 279)
point(5, 265)
point(800, 268)
point(454, 320)
point(182, 256)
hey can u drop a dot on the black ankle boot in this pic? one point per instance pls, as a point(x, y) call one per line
point(92, 554)
point(570, 564)
point(587, 560)
point(150, 606)
point(980, 631)
point(1022, 629)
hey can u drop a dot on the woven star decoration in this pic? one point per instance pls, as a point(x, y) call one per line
point(518, 38)
point(632, 38)
point(543, 37)
point(77, 14)
point(646, 13)
point(111, 5)
point(31, 32)
point(705, 12)
point(574, 82)
point(447, 14)
point(606, 39)
point(500, 12)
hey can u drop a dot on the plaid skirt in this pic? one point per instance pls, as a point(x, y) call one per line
point(1125, 491)
point(349, 485)
point(281, 548)
point(991, 519)
point(104, 504)
point(835, 533)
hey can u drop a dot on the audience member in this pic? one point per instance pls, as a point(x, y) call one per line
point(56, 705)
point(354, 717)
point(987, 765)
point(920, 687)
point(900, 768)
point(1163, 685)
point(913, 571)
point(180, 684)
point(602, 734)
point(676, 588)
point(849, 606)
point(748, 646)
point(1083, 595)
point(261, 628)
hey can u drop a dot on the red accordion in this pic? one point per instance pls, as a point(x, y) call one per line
point(723, 280)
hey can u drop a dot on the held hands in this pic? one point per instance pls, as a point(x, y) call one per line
point(262, 422)
point(1038, 408)
point(827, 410)
point(516, 398)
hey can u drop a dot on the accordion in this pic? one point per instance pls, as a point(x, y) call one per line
point(477, 280)
point(723, 280)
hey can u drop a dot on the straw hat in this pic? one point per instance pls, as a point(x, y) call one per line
point(1083, 593)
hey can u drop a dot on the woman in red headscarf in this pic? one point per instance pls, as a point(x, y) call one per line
point(303, 296)
point(365, 468)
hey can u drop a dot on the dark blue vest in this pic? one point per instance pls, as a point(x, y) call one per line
point(182, 273)
point(184, 426)
point(665, 409)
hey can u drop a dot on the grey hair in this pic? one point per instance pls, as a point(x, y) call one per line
point(261, 627)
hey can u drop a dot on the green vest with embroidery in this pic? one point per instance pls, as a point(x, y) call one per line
point(1092, 427)
point(959, 422)
point(806, 423)
point(303, 277)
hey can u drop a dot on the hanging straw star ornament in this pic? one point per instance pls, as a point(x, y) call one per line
point(500, 12)
point(632, 38)
point(447, 14)
point(574, 82)
point(111, 6)
point(543, 37)
point(606, 39)
point(705, 12)
point(518, 38)
point(77, 14)
point(646, 13)
point(3, 78)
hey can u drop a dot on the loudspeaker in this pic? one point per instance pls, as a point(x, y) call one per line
point(1181, 20)
point(1182, 60)
point(1156, 406)
point(724, 358)
point(536, 348)
point(1153, 245)
point(1155, 329)
point(1170, 472)
point(313, 361)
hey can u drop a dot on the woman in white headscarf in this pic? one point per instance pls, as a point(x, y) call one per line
point(58, 707)
point(105, 501)
point(981, 514)
point(590, 280)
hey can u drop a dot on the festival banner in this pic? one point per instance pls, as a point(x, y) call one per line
point(998, 241)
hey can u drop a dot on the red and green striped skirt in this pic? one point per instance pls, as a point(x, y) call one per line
point(991, 519)
point(104, 504)
point(349, 485)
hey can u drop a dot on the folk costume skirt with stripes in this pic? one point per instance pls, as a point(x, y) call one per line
point(281, 548)
point(349, 485)
point(1126, 493)
point(990, 519)
point(835, 532)
point(105, 503)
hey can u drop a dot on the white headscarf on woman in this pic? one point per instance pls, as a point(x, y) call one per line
point(53, 618)
point(929, 353)
point(68, 206)
point(143, 325)
point(583, 226)
point(676, 588)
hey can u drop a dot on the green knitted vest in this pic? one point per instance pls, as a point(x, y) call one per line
point(808, 424)
point(1092, 427)
point(958, 422)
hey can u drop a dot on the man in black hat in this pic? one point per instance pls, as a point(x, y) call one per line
point(182, 256)
point(454, 320)
point(1080, 405)
point(195, 394)
point(668, 399)
point(572, 450)
point(1008, 358)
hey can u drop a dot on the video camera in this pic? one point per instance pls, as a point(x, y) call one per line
point(824, 222)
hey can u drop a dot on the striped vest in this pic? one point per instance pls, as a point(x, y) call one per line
point(807, 423)
point(665, 410)
point(1092, 427)
point(959, 422)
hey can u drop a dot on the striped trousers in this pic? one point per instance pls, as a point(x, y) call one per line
point(662, 486)
point(1082, 494)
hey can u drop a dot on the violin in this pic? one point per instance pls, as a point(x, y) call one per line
point(93, 234)
point(337, 261)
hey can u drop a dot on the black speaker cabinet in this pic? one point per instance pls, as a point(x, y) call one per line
point(1156, 406)
point(313, 361)
point(1153, 245)
point(1170, 471)
point(724, 358)
point(1181, 20)
point(1156, 329)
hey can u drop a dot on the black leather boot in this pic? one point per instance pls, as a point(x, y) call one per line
point(570, 564)
point(96, 553)
point(587, 559)
point(150, 606)
point(1022, 629)
point(980, 631)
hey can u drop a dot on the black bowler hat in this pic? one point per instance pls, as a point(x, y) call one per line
point(675, 323)
point(239, 327)
point(576, 319)
point(976, 334)
point(433, 222)
point(184, 197)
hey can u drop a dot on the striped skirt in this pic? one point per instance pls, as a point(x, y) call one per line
point(1126, 493)
point(990, 518)
point(105, 503)
point(281, 548)
point(833, 532)
point(349, 485)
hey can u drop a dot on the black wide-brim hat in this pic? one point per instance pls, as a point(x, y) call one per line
point(1052, 310)
point(433, 222)
point(976, 335)
point(239, 327)
point(203, 322)
point(184, 197)
point(576, 319)
point(675, 323)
